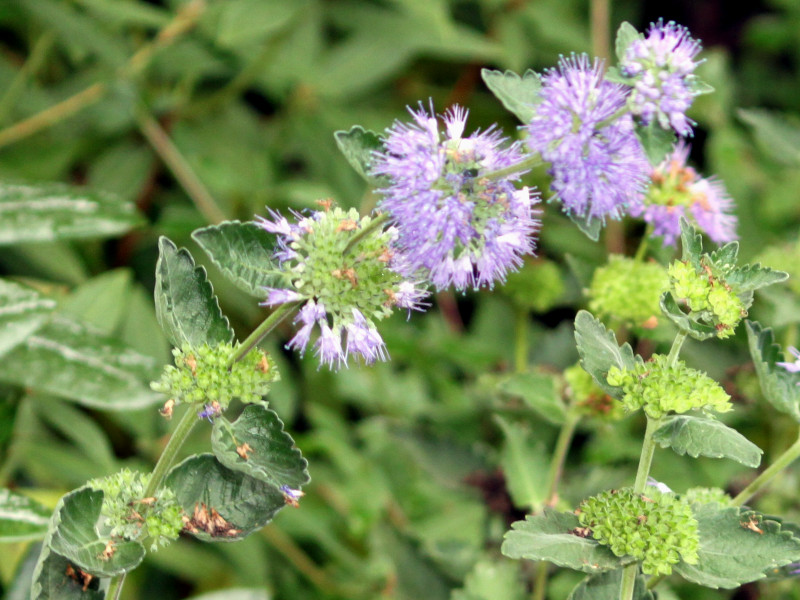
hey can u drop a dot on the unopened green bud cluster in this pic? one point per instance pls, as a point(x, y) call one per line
point(628, 290)
point(537, 286)
point(707, 295)
point(657, 529)
point(658, 389)
point(588, 397)
point(202, 376)
point(131, 515)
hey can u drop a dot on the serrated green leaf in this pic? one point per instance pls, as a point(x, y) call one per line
point(186, 306)
point(725, 257)
point(698, 331)
point(525, 466)
point(606, 586)
point(518, 94)
point(67, 359)
point(656, 142)
point(22, 311)
point(21, 518)
point(779, 386)
point(272, 456)
point(359, 146)
point(243, 252)
point(778, 135)
point(752, 277)
point(599, 351)
point(51, 582)
point(691, 244)
point(626, 35)
point(75, 536)
point(43, 213)
point(547, 537)
point(245, 503)
point(539, 392)
point(590, 226)
point(698, 436)
point(737, 546)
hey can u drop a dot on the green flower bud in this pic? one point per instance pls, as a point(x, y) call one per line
point(657, 529)
point(537, 286)
point(659, 389)
point(628, 290)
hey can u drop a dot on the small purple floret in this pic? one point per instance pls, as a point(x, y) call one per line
point(792, 367)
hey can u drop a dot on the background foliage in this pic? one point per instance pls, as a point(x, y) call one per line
point(196, 112)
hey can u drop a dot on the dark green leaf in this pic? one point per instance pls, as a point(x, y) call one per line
point(22, 311)
point(186, 306)
point(539, 391)
point(670, 308)
point(52, 582)
point(777, 135)
point(737, 546)
point(752, 277)
point(43, 213)
point(21, 518)
point(626, 35)
point(547, 537)
point(359, 146)
point(75, 537)
point(656, 142)
point(67, 359)
point(599, 351)
point(778, 385)
point(201, 483)
point(590, 226)
point(235, 594)
point(518, 94)
point(698, 436)
point(524, 463)
point(243, 252)
point(606, 586)
point(272, 456)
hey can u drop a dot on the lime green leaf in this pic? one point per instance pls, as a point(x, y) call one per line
point(524, 463)
point(777, 135)
point(599, 351)
point(102, 301)
point(359, 146)
point(22, 311)
point(43, 213)
point(518, 94)
point(234, 594)
point(52, 582)
point(201, 484)
point(737, 546)
point(590, 226)
point(606, 586)
point(243, 252)
point(626, 35)
point(670, 308)
point(271, 454)
point(491, 580)
point(75, 537)
point(779, 386)
point(243, 22)
point(21, 518)
point(548, 537)
point(698, 436)
point(67, 359)
point(656, 142)
point(186, 306)
point(539, 392)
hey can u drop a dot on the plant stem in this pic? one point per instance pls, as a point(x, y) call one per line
point(37, 57)
point(783, 461)
point(260, 332)
point(115, 587)
point(534, 160)
point(179, 167)
point(559, 457)
point(374, 224)
point(641, 251)
point(676, 349)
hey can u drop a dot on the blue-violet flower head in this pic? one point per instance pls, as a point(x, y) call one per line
point(677, 190)
point(343, 270)
point(455, 225)
point(661, 67)
point(598, 166)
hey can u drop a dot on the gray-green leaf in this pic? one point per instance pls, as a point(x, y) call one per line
point(518, 94)
point(359, 146)
point(22, 311)
point(776, 134)
point(655, 141)
point(698, 331)
point(626, 35)
point(779, 386)
point(243, 252)
point(47, 212)
point(698, 436)
point(606, 586)
point(21, 518)
point(539, 392)
point(524, 463)
point(186, 306)
point(599, 351)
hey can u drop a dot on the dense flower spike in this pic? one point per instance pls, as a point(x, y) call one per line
point(662, 66)
point(456, 225)
point(677, 190)
point(598, 166)
point(343, 269)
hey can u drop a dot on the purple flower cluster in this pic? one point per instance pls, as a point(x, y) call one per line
point(676, 191)
point(662, 66)
point(792, 367)
point(458, 224)
point(598, 165)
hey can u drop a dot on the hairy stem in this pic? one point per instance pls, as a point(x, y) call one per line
point(526, 164)
point(376, 223)
point(784, 460)
point(641, 251)
point(675, 350)
point(260, 332)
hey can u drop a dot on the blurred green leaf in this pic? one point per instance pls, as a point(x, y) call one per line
point(67, 359)
point(589, 225)
point(243, 252)
point(519, 95)
point(688, 325)
point(737, 546)
point(626, 35)
point(492, 580)
point(100, 302)
point(21, 518)
point(201, 484)
point(779, 386)
point(127, 12)
point(46, 212)
point(606, 586)
point(22, 311)
point(525, 466)
point(186, 306)
point(359, 146)
point(257, 445)
point(656, 142)
point(599, 351)
point(778, 135)
point(697, 436)
point(549, 537)
point(242, 22)
point(234, 594)
point(539, 391)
